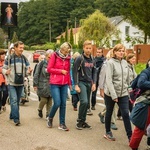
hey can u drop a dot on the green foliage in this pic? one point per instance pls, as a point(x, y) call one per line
point(98, 28)
point(14, 38)
point(137, 12)
point(66, 34)
point(62, 40)
point(139, 67)
point(71, 37)
point(2, 39)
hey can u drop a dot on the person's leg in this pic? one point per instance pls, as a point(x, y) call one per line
point(114, 118)
point(42, 102)
point(93, 98)
point(48, 105)
point(0, 100)
point(55, 92)
point(123, 103)
point(83, 102)
point(75, 100)
point(5, 96)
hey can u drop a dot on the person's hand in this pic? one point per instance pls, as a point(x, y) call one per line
point(102, 93)
point(77, 89)
point(30, 70)
point(64, 72)
point(70, 87)
point(8, 71)
point(116, 100)
point(93, 87)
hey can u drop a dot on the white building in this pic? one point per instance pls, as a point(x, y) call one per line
point(126, 30)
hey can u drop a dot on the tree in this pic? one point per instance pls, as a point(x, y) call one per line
point(138, 12)
point(14, 38)
point(111, 8)
point(98, 28)
point(71, 37)
point(2, 38)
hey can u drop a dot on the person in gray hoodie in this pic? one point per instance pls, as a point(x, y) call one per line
point(116, 90)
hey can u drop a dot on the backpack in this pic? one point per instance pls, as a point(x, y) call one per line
point(135, 91)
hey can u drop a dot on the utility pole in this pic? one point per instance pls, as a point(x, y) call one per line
point(50, 32)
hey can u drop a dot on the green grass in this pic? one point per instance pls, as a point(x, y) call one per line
point(139, 67)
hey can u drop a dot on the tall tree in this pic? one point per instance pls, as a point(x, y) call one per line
point(138, 13)
point(111, 8)
point(98, 28)
point(71, 37)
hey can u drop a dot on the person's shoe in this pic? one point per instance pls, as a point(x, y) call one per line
point(74, 108)
point(63, 127)
point(40, 113)
point(102, 119)
point(113, 126)
point(109, 136)
point(134, 148)
point(79, 125)
point(50, 122)
point(93, 108)
point(119, 118)
point(89, 112)
point(17, 123)
point(85, 125)
point(4, 108)
point(148, 147)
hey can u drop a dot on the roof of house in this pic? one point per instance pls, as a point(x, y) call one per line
point(74, 30)
point(116, 20)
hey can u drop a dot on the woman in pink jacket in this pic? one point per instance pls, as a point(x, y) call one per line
point(59, 69)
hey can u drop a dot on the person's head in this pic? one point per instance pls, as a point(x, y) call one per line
point(48, 54)
point(119, 51)
point(19, 47)
point(65, 48)
point(2, 54)
point(99, 52)
point(109, 54)
point(41, 57)
point(148, 63)
point(87, 48)
point(131, 59)
point(75, 55)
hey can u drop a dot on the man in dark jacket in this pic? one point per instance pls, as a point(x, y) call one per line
point(85, 82)
point(99, 59)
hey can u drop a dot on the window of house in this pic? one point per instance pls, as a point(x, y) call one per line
point(127, 28)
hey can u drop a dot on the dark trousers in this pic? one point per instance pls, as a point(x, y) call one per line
point(3, 98)
point(75, 99)
point(123, 103)
point(84, 98)
point(93, 97)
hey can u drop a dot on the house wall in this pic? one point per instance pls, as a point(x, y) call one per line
point(134, 32)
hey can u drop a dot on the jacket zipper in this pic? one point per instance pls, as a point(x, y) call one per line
point(122, 80)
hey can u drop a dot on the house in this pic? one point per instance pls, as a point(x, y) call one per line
point(127, 31)
point(75, 35)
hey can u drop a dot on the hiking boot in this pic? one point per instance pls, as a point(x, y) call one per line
point(102, 119)
point(49, 122)
point(63, 127)
point(109, 136)
point(89, 112)
point(40, 113)
point(113, 126)
point(85, 125)
point(79, 125)
point(93, 108)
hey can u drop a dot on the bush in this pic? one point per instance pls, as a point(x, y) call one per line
point(139, 67)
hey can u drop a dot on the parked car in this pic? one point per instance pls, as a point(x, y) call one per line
point(37, 53)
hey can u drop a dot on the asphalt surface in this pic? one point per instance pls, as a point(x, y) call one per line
point(33, 133)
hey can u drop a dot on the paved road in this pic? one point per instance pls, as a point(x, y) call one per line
point(33, 133)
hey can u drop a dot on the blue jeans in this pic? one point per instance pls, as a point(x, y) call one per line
point(59, 94)
point(14, 95)
point(123, 103)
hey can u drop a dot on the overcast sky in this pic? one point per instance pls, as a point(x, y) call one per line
point(13, 1)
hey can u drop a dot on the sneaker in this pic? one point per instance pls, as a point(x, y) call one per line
point(102, 118)
point(79, 125)
point(85, 125)
point(74, 108)
point(63, 127)
point(50, 122)
point(109, 136)
point(89, 112)
point(17, 123)
point(93, 108)
point(40, 113)
point(113, 126)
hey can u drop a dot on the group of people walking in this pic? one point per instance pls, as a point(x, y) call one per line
point(84, 75)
